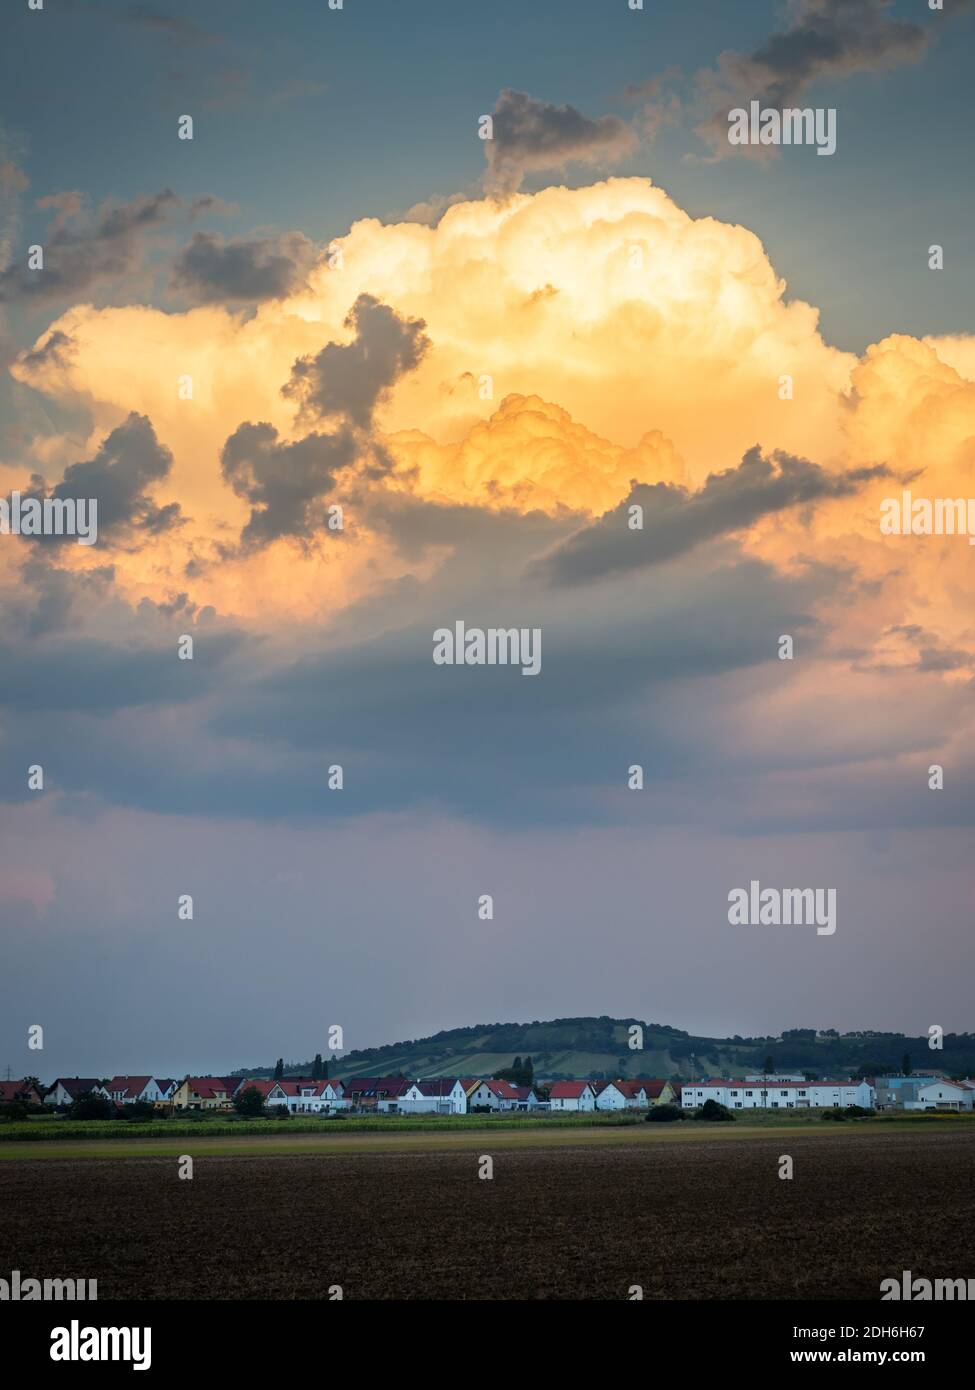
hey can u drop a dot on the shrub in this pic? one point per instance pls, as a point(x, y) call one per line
point(139, 1110)
point(711, 1110)
point(663, 1114)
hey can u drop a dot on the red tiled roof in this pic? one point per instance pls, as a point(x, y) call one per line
point(128, 1085)
point(208, 1087)
point(259, 1083)
point(12, 1090)
point(568, 1090)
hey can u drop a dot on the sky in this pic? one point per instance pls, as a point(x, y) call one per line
point(340, 373)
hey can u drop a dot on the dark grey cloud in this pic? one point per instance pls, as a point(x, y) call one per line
point(351, 380)
point(128, 463)
point(79, 252)
point(91, 676)
point(213, 269)
point(825, 39)
point(48, 598)
point(285, 483)
point(532, 135)
point(676, 520)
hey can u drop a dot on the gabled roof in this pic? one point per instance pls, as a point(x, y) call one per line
point(437, 1086)
point(14, 1090)
point(260, 1084)
point(77, 1085)
point(129, 1085)
point(503, 1089)
point(653, 1086)
point(209, 1087)
point(165, 1083)
point(569, 1090)
point(378, 1087)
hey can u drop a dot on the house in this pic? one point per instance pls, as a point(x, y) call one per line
point(260, 1084)
point(24, 1092)
point(806, 1095)
point(612, 1095)
point(167, 1087)
point(479, 1094)
point(511, 1097)
point(381, 1093)
point(658, 1092)
point(204, 1093)
point(944, 1095)
point(526, 1098)
point(126, 1090)
point(442, 1095)
point(304, 1096)
point(67, 1089)
point(893, 1092)
point(572, 1095)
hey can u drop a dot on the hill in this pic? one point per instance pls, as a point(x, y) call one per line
point(598, 1047)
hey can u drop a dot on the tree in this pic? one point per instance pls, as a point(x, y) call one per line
point(249, 1103)
point(279, 1069)
point(88, 1106)
point(316, 1067)
point(906, 1064)
point(768, 1067)
point(711, 1110)
point(529, 1070)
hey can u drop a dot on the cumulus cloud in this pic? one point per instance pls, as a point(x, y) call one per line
point(676, 520)
point(532, 135)
point(213, 269)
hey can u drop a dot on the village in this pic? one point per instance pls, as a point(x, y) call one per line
point(398, 1095)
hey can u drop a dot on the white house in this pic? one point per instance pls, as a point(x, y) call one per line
point(805, 1095)
point(126, 1090)
point(944, 1095)
point(437, 1096)
point(479, 1093)
point(303, 1096)
point(572, 1095)
point(67, 1089)
point(611, 1095)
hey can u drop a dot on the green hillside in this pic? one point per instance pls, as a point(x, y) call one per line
point(598, 1047)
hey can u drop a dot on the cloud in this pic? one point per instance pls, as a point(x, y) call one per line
point(532, 135)
point(128, 462)
point(352, 379)
point(211, 269)
point(283, 482)
point(825, 39)
point(79, 253)
point(676, 520)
